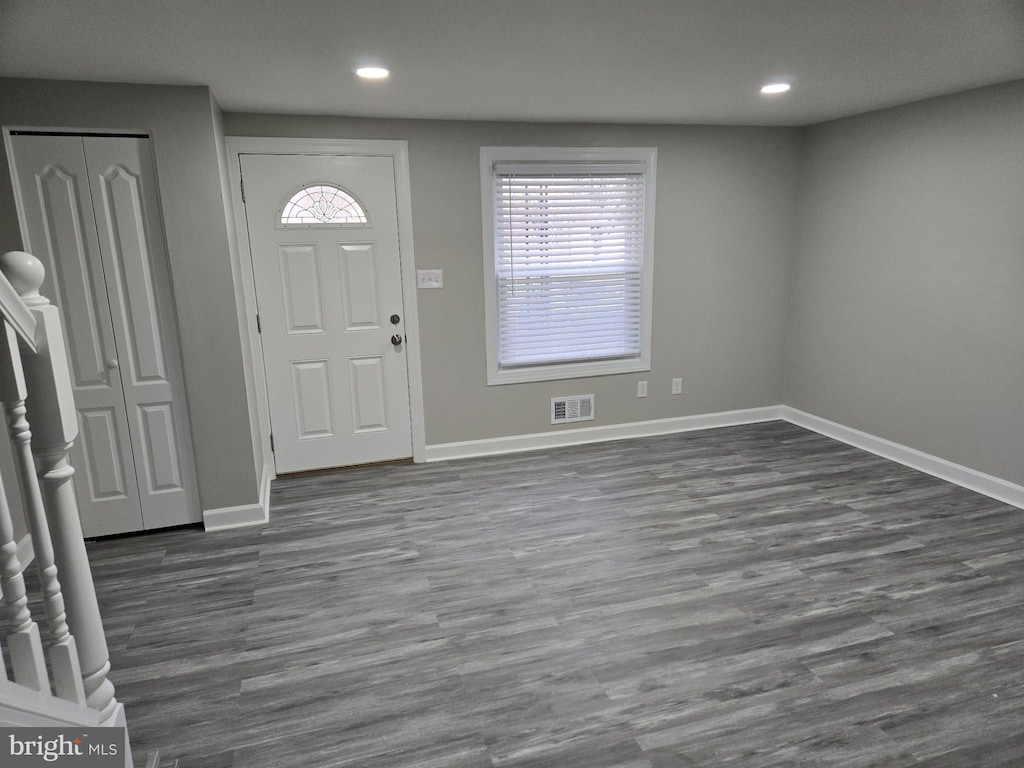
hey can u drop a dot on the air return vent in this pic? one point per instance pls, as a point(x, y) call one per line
point(575, 408)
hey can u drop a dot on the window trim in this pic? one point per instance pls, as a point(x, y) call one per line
point(489, 157)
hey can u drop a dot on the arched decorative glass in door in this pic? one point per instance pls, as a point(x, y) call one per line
point(322, 204)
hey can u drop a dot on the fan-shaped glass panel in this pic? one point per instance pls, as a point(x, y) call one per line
point(323, 204)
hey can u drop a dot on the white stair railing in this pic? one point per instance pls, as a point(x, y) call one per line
point(35, 389)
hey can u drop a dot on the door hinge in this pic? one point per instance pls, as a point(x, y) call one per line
point(259, 328)
point(272, 444)
point(241, 187)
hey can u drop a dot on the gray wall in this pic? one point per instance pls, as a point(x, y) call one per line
point(908, 298)
point(725, 229)
point(248, 364)
point(888, 246)
point(181, 121)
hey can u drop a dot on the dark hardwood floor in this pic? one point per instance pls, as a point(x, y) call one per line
point(753, 596)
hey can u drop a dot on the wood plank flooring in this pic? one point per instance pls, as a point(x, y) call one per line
point(753, 596)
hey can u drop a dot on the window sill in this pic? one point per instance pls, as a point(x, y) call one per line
point(497, 376)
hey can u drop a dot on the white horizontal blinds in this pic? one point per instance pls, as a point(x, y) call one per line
point(569, 257)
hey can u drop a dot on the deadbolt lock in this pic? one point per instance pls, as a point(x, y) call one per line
point(395, 319)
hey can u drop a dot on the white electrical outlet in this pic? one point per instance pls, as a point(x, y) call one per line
point(677, 386)
point(429, 278)
point(641, 389)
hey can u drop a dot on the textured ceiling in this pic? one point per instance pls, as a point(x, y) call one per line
point(654, 61)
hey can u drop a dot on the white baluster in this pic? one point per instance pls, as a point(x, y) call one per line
point(55, 425)
point(27, 660)
point(67, 675)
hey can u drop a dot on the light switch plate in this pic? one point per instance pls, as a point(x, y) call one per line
point(429, 278)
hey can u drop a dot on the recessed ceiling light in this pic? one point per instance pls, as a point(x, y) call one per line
point(775, 88)
point(372, 73)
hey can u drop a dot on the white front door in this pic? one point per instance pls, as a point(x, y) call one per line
point(323, 234)
point(91, 214)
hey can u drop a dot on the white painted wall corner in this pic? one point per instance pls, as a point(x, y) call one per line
point(244, 515)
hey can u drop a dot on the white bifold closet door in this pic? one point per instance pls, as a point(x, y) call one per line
point(91, 214)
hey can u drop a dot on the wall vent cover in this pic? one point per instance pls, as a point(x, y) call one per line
point(575, 408)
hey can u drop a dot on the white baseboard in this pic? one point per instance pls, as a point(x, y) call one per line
point(244, 515)
point(971, 479)
point(26, 551)
point(577, 436)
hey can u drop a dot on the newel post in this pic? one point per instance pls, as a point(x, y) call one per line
point(51, 411)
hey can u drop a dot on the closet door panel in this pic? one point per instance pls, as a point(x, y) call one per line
point(102, 441)
point(123, 183)
point(59, 228)
point(124, 234)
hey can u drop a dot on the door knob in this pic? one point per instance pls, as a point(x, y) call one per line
point(396, 339)
point(111, 364)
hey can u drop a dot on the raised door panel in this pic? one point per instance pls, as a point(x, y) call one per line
point(60, 229)
point(360, 290)
point(101, 471)
point(131, 244)
point(301, 288)
point(75, 291)
point(369, 394)
point(311, 390)
point(123, 232)
point(159, 448)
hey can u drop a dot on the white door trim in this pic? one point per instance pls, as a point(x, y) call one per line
point(245, 286)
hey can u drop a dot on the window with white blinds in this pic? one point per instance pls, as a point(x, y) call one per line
point(569, 261)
